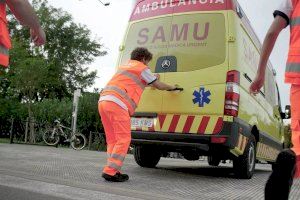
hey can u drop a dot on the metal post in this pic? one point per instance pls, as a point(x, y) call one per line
point(90, 140)
point(77, 94)
point(11, 134)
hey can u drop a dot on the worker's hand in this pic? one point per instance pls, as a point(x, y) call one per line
point(38, 36)
point(176, 88)
point(173, 87)
point(257, 84)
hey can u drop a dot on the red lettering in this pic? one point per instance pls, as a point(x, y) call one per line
point(183, 33)
point(179, 32)
point(159, 35)
point(205, 34)
point(143, 35)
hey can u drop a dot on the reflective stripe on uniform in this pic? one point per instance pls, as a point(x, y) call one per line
point(114, 166)
point(114, 99)
point(293, 67)
point(122, 93)
point(3, 50)
point(133, 77)
point(118, 157)
point(295, 21)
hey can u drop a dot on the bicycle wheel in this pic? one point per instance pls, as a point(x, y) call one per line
point(78, 141)
point(51, 137)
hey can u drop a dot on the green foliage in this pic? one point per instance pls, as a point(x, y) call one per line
point(50, 109)
point(11, 109)
point(287, 136)
point(88, 118)
point(4, 140)
point(98, 143)
point(40, 82)
point(30, 74)
point(88, 115)
point(68, 51)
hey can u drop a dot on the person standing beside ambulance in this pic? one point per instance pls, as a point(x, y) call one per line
point(24, 12)
point(287, 165)
point(118, 101)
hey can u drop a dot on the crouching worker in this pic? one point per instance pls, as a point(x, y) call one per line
point(117, 103)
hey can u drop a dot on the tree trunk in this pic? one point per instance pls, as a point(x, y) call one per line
point(31, 125)
point(26, 130)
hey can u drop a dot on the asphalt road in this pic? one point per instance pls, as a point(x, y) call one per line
point(36, 172)
point(10, 193)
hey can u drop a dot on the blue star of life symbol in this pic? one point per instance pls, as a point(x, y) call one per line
point(201, 97)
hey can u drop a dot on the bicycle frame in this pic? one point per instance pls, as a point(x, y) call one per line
point(60, 128)
point(59, 131)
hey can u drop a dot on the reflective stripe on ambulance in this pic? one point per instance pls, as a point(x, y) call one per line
point(266, 152)
point(185, 124)
point(263, 151)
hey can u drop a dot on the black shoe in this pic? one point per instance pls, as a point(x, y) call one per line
point(118, 177)
point(280, 181)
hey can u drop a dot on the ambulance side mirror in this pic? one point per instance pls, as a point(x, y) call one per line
point(287, 112)
point(239, 11)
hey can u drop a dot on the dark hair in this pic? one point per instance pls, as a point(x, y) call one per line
point(141, 53)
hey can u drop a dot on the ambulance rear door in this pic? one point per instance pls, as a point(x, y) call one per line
point(196, 60)
point(154, 34)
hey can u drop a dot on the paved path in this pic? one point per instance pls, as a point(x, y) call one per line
point(35, 172)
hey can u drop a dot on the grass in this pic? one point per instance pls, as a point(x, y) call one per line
point(4, 140)
point(96, 146)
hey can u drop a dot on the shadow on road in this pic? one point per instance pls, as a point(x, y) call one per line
point(222, 171)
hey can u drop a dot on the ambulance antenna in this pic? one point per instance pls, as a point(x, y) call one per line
point(105, 4)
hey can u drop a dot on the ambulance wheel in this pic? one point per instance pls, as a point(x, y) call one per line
point(146, 156)
point(213, 161)
point(244, 165)
point(273, 165)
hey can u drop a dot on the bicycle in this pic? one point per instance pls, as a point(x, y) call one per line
point(52, 136)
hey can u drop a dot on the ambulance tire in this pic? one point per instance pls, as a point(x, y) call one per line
point(244, 165)
point(146, 156)
point(213, 161)
point(273, 166)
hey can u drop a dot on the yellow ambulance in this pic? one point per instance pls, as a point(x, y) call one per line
point(208, 48)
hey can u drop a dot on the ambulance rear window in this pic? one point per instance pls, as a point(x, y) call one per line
point(205, 42)
point(193, 41)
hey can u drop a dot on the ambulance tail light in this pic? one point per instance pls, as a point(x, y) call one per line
point(218, 140)
point(232, 94)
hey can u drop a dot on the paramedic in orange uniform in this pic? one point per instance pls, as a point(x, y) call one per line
point(287, 165)
point(117, 103)
point(27, 17)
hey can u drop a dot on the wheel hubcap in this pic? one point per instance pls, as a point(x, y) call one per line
point(251, 155)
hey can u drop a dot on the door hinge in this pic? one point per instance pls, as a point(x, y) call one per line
point(121, 47)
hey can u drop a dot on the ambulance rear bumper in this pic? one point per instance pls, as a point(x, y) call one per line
point(175, 140)
point(202, 142)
